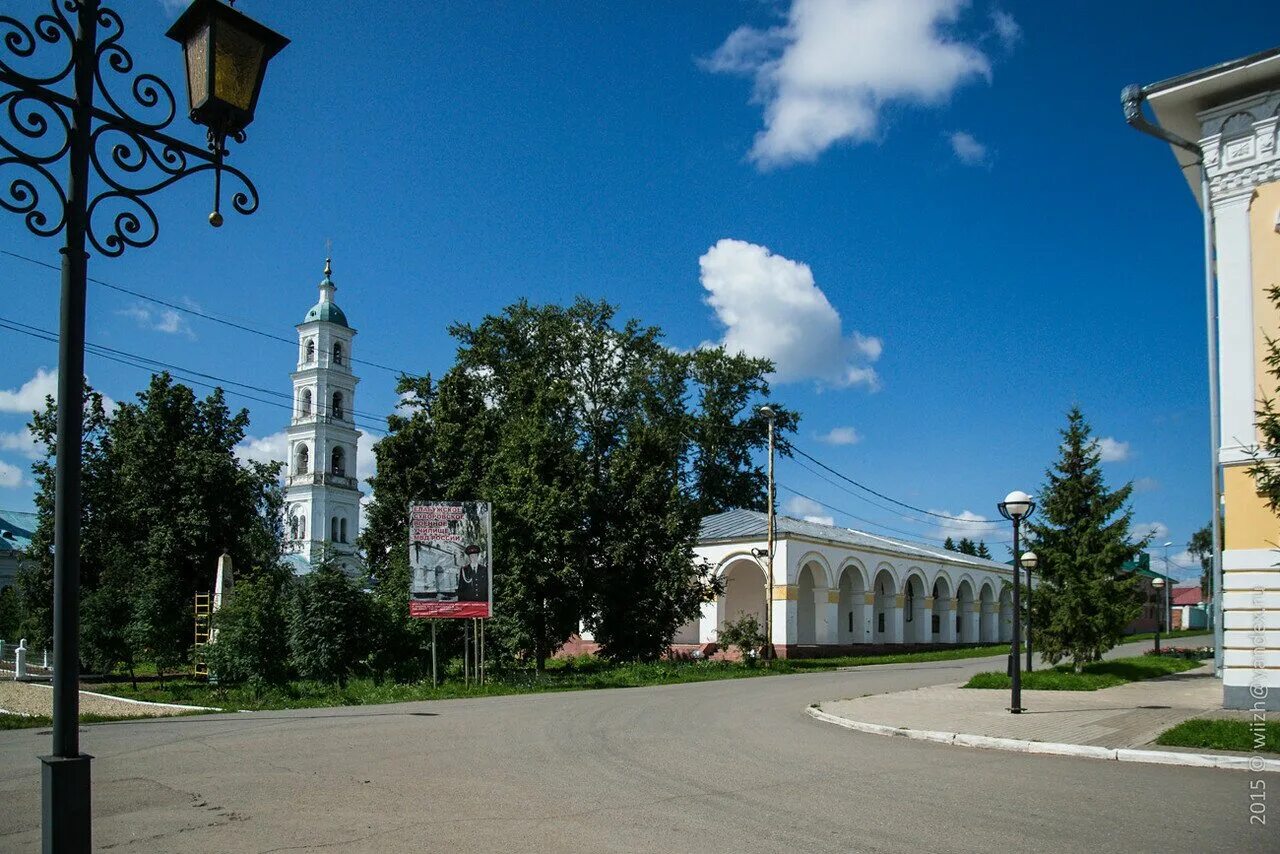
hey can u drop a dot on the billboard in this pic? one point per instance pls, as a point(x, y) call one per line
point(450, 559)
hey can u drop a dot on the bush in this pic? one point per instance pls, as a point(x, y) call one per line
point(743, 634)
point(1194, 653)
point(252, 632)
point(328, 626)
point(10, 614)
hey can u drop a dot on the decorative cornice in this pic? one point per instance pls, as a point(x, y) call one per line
point(1240, 150)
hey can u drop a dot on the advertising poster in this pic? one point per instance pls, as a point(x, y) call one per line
point(450, 559)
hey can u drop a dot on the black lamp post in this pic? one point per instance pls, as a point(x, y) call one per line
point(119, 145)
point(1016, 506)
point(1158, 584)
point(1029, 561)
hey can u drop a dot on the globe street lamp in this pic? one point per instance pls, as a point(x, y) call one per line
point(1017, 505)
point(1029, 561)
point(119, 145)
point(1158, 584)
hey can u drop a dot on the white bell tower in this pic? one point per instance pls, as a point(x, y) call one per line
point(322, 492)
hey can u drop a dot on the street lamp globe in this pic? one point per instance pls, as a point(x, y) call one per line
point(1016, 505)
point(227, 54)
point(1157, 583)
point(768, 412)
point(1029, 560)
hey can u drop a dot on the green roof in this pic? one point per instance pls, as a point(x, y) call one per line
point(20, 525)
point(326, 311)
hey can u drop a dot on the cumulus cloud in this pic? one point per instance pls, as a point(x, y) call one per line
point(264, 449)
point(840, 436)
point(965, 524)
point(1006, 28)
point(968, 150)
point(772, 308)
point(23, 442)
point(824, 76)
point(165, 320)
point(31, 395)
point(1146, 484)
point(10, 476)
point(808, 510)
point(1113, 450)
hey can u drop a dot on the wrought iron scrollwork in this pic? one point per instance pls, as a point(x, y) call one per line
point(130, 154)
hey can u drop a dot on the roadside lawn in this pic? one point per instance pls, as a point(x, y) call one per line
point(1096, 675)
point(1177, 633)
point(1224, 735)
point(568, 674)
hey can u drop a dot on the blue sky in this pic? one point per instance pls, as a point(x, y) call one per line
point(931, 214)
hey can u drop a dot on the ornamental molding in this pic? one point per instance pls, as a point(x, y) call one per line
point(1240, 146)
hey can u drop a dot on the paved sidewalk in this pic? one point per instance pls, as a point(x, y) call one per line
point(1125, 716)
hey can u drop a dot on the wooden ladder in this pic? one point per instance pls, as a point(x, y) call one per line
point(203, 610)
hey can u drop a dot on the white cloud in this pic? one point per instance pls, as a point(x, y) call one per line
point(366, 462)
point(965, 524)
point(840, 436)
point(30, 397)
point(772, 308)
point(968, 150)
point(1113, 450)
point(1159, 532)
point(1146, 484)
point(10, 476)
point(808, 510)
point(166, 320)
point(1006, 28)
point(265, 449)
point(22, 442)
point(824, 76)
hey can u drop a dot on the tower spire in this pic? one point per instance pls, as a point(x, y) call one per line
point(327, 287)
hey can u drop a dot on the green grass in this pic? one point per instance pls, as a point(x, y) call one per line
point(1224, 735)
point(570, 674)
point(1096, 675)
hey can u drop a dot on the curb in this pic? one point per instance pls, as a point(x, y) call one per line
point(1016, 745)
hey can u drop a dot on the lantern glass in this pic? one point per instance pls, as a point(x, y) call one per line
point(237, 63)
point(197, 50)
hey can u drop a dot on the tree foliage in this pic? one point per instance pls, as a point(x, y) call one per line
point(163, 494)
point(328, 624)
point(1081, 537)
point(600, 448)
point(252, 630)
point(1200, 546)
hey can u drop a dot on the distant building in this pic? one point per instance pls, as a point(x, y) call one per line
point(836, 589)
point(1153, 599)
point(16, 530)
point(1230, 112)
point(1190, 608)
point(322, 492)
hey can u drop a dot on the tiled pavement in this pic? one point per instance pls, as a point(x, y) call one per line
point(1129, 715)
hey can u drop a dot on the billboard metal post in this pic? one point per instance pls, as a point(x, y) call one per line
point(435, 680)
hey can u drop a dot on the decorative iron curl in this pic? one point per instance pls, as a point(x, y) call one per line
point(52, 29)
point(134, 164)
point(148, 91)
point(35, 136)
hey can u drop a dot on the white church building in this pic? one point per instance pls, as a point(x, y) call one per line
point(837, 589)
point(322, 492)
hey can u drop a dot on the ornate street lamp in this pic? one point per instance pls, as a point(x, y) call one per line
point(1016, 506)
point(69, 92)
point(1029, 561)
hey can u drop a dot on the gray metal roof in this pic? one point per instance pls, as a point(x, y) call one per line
point(21, 525)
point(735, 525)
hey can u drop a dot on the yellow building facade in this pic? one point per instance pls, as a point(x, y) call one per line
point(1230, 112)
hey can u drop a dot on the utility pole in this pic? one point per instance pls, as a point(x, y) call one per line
point(770, 538)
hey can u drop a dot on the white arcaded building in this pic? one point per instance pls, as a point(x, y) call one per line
point(835, 588)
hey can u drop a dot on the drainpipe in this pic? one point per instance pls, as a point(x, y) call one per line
point(1132, 98)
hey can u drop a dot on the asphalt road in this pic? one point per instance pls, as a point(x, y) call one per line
point(730, 766)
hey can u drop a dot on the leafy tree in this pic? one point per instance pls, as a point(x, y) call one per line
point(1201, 546)
point(1081, 536)
point(949, 545)
point(252, 631)
point(10, 614)
point(328, 624)
point(1264, 470)
point(982, 551)
point(163, 495)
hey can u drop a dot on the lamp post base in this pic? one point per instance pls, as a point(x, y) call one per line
point(64, 816)
point(1016, 710)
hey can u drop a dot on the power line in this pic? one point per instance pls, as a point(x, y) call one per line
point(198, 313)
point(143, 363)
point(912, 536)
point(866, 488)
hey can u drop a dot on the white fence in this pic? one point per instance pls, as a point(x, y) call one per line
point(19, 662)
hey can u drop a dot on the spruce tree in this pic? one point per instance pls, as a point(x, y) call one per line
point(982, 550)
point(1080, 533)
point(967, 547)
point(949, 545)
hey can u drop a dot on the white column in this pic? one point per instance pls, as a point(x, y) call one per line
point(894, 620)
point(709, 622)
point(868, 618)
point(947, 622)
point(784, 618)
point(973, 621)
point(1235, 322)
point(826, 615)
